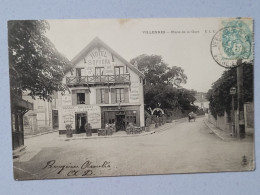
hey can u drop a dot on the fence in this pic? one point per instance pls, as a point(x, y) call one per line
point(225, 124)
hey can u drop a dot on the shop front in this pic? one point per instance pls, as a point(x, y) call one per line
point(78, 116)
point(18, 108)
point(120, 116)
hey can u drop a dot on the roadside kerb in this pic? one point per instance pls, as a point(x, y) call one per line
point(214, 130)
point(154, 130)
point(43, 133)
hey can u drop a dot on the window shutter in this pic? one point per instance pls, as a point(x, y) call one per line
point(126, 95)
point(113, 95)
point(87, 97)
point(106, 96)
point(74, 97)
point(138, 118)
point(98, 96)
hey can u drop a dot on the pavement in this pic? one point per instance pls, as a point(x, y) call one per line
point(223, 135)
point(39, 134)
point(122, 133)
point(183, 147)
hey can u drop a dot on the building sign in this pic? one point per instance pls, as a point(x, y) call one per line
point(99, 58)
point(68, 119)
point(93, 115)
point(94, 119)
point(81, 108)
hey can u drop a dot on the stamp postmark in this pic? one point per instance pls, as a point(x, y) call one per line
point(234, 41)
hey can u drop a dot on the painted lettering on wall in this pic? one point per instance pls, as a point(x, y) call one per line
point(99, 62)
point(134, 94)
point(98, 54)
point(99, 57)
point(68, 119)
point(94, 119)
point(66, 99)
point(79, 108)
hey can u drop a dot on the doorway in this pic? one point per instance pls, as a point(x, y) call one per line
point(55, 119)
point(81, 120)
point(120, 122)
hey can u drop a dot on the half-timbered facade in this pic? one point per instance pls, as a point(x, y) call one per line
point(103, 88)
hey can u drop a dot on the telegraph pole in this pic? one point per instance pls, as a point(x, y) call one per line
point(240, 100)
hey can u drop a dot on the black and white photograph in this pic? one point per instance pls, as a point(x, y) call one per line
point(128, 97)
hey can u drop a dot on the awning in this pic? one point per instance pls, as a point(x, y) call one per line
point(21, 103)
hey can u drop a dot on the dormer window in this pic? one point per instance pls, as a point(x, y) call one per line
point(99, 71)
point(79, 72)
point(119, 70)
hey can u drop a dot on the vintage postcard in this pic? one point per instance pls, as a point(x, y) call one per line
point(118, 97)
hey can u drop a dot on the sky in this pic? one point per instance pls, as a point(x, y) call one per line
point(185, 43)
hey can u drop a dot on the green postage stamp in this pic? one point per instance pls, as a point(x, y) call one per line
point(234, 41)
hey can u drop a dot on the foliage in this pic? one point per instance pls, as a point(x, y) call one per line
point(34, 61)
point(156, 71)
point(160, 90)
point(148, 122)
point(219, 96)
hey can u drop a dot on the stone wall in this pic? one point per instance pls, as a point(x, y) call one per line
point(224, 124)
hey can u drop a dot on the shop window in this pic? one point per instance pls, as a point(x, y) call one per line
point(120, 96)
point(80, 98)
point(131, 117)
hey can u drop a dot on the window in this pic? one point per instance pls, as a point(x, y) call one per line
point(80, 98)
point(119, 70)
point(102, 96)
point(120, 96)
point(99, 71)
point(79, 72)
point(131, 117)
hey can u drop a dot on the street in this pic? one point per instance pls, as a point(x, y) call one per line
point(182, 148)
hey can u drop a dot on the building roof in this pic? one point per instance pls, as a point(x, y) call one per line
point(96, 42)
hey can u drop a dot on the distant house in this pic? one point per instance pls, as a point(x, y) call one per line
point(201, 101)
point(43, 117)
point(103, 88)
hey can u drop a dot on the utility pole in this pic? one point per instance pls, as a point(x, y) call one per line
point(240, 99)
point(233, 92)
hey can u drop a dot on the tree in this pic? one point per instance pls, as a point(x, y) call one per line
point(219, 95)
point(34, 62)
point(160, 90)
point(156, 71)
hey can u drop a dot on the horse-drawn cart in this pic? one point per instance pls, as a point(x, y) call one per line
point(192, 116)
